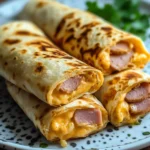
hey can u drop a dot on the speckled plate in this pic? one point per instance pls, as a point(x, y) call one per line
point(18, 132)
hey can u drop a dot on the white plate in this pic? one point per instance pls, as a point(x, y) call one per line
point(18, 132)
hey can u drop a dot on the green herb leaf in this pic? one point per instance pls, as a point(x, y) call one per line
point(43, 145)
point(137, 123)
point(124, 14)
point(129, 135)
point(146, 133)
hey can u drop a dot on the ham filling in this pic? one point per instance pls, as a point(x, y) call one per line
point(139, 93)
point(90, 116)
point(140, 107)
point(120, 48)
point(139, 99)
point(120, 56)
point(71, 84)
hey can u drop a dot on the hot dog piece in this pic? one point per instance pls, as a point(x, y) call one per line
point(140, 107)
point(139, 93)
point(88, 116)
point(71, 84)
point(119, 62)
point(120, 48)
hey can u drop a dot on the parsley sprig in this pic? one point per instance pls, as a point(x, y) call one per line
point(124, 14)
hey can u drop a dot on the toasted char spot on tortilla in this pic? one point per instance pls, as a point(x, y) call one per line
point(106, 29)
point(68, 57)
point(90, 25)
point(74, 23)
point(43, 114)
point(24, 86)
point(5, 28)
point(74, 64)
point(39, 67)
point(12, 49)
point(23, 51)
point(117, 78)
point(98, 34)
point(11, 41)
point(41, 4)
point(77, 22)
point(37, 106)
point(85, 32)
point(59, 53)
point(132, 75)
point(40, 42)
point(71, 30)
point(110, 95)
point(79, 40)
point(36, 54)
point(15, 58)
point(62, 23)
point(6, 63)
point(25, 33)
point(41, 87)
point(68, 39)
point(14, 75)
point(114, 81)
point(72, 48)
point(92, 51)
point(49, 56)
point(42, 45)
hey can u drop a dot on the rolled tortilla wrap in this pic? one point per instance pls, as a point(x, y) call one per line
point(76, 119)
point(30, 61)
point(126, 96)
point(87, 37)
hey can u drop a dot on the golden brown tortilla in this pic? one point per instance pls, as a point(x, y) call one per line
point(58, 123)
point(85, 36)
point(30, 61)
point(113, 92)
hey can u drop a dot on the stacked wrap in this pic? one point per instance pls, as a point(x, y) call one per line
point(58, 123)
point(126, 96)
point(41, 76)
point(87, 37)
point(33, 63)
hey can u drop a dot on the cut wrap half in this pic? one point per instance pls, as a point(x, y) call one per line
point(77, 119)
point(87, 37)
point(126, 96)
point(30, 61)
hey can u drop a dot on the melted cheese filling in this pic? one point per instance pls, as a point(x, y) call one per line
point(140, 59)
point(64, 127)
point(122, 115)
point(87, 83)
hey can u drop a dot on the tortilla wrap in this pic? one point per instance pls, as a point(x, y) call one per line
point(87, 37)
point(59, 123)
point(126, 96)
point(30, 61)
